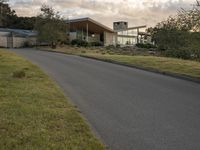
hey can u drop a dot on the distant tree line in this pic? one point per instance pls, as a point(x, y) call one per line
point(9, 19)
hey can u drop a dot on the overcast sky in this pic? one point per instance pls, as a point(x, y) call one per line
point(136, 12)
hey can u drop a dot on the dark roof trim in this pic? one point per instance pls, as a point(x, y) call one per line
point(132, 28)
point(19, 32)
point(144, 33)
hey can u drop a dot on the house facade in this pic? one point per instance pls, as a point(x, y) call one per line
point(90, 30)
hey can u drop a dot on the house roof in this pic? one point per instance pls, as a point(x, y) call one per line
point(93, 26)
point(132, 28)
point(18, 32)
point(144, 33)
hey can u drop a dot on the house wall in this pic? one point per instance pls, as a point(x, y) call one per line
point(19, 41)
point(32, 40)
point(110, 39)
point(3, 41)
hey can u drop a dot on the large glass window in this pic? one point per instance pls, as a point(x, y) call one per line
point(128, 37)
point(127, 40)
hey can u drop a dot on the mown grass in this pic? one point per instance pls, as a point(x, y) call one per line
point(162, 64)
point(35, 114)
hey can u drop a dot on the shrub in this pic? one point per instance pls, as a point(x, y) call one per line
point(96, 44)
point(79, 42)
point(109, 47)
point(178, 53)
point(148, 46)
point(118, 46)
point(195, 54)
point(27, 44)
point(19, 74)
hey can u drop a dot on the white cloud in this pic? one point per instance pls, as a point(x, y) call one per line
point(136, 12)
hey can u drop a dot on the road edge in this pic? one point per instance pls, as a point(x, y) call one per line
point(175, 75)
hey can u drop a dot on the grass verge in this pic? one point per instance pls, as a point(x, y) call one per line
point(161, 64)
point(35, 114)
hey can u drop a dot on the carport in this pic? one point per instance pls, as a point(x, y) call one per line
point(91, 31)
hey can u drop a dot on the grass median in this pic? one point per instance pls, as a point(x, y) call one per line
point(35, 114)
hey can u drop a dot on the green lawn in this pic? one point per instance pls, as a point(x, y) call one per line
point(35, 114)
point(162, 64)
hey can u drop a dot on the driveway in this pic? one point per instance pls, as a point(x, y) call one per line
point(130, 109)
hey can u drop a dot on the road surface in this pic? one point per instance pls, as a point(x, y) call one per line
point(130, 109)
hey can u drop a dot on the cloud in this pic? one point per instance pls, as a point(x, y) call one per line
point(136, 12)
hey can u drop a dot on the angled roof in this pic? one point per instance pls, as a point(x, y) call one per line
point(19, 32)
point(93, 25)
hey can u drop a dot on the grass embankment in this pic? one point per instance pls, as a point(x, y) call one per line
point(34, 113)
point(161, 64)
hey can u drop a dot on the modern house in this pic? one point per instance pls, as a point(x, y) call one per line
point(15, 38)
point(92, 31)
point(85, 29)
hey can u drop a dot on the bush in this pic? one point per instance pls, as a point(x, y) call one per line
point(118, 46)
point(196, 54)
point(27, 44)
point(161, 48)
point(109, 47)
point(178, 53)
point(79, 42)
point(96, 44)
point(148, 46)
point(19, 74)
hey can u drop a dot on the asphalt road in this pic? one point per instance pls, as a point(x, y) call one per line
point(130, 109)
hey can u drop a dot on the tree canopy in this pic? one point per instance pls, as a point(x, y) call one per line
point(6, 14)
point(9, 19)
point(50, 26)
point(179, 33)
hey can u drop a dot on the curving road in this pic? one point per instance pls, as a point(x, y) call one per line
point(130, 109)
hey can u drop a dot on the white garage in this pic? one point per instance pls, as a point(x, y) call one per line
point(15, 38)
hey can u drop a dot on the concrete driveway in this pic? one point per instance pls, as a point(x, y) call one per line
point(129, 108)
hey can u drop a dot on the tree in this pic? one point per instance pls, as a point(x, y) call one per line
point(26, 23)
point(50, 26)
point(174, 32)
point(7, 16)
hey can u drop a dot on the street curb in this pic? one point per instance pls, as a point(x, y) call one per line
point(179, 76)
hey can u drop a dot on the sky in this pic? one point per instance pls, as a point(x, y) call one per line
point(135, 12)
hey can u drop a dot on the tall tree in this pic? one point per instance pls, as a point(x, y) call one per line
point(50, 26)
point(7, 16)
point(176, 31)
